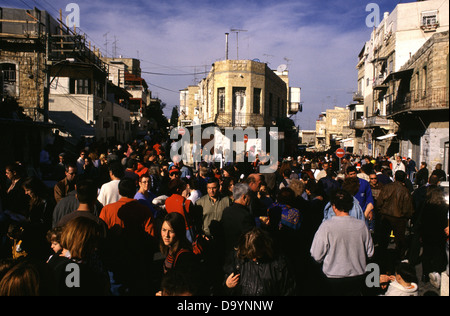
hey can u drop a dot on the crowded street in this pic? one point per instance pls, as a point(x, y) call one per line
point(233, 152)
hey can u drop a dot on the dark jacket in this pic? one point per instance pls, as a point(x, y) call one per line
point(236, 220)
point(261, 278)
point(395, 200)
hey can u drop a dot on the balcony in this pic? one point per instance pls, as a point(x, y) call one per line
point(419, 100)
point(356, 124)
point(240, 120)
point(358, 97)
point(380, 84)
point(375, 121)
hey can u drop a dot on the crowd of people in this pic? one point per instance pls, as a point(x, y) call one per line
point(130, 220)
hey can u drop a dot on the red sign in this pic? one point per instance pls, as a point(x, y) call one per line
point(181, 131)
point(340, 153)
point(245, 139)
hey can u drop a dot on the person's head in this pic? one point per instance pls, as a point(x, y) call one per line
point(256, 245)
point(116, 170)
point(325, 165)
point(373, 179)
point(71, 171)
point(406, 272)
point(212, 187)
point(435, 195)
point(297, 186)
point(400, 176)
point(433, 180)
point(86, 191)
point(227, 186)
point(286, 196)
point(342, 201)
point(351, 185)
point(127, 188)
point(35, 189)
point(22, 279)
point(173, 233)
point(176, 186)
point(398, 158)
point(438, 166)
point(178, 283)
point(241, 194)
point(54, 238)
point(81, 236)
point(174, 172)
point(331, 173)
point(351, 172)
point(144, 182)
point(254, 182)
point(14, 171)
point(287, 173)
point(423, 164)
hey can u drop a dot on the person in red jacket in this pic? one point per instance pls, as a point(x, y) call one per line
point(127, 212)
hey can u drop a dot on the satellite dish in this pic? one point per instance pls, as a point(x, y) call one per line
point(282, 68)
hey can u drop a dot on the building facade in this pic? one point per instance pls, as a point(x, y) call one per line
point(400, 35)
point(239, 93)
point(420, 103)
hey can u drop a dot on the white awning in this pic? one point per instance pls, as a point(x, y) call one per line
point(348, 142)
point(386, 136)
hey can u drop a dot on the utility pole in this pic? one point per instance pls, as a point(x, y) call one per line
point(237, 40)
point(106, 43)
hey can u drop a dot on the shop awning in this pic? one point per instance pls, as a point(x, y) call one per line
point(387, 136)
point(398, 75)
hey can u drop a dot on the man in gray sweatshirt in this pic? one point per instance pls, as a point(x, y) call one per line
point(342, 245)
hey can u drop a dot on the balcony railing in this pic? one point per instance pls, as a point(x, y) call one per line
point(240, 120)
point(357, 96)
point(376, 121)
point(356, 124)
point(430, 99)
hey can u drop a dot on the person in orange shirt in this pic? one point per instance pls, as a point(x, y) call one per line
point(174, 203)
point(127, 212)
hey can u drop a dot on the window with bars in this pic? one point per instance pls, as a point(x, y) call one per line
point(9, 72)
point(257, 101)
point(221, 99)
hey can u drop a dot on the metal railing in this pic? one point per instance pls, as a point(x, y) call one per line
point(240, 120)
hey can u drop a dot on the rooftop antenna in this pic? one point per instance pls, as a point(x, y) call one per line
point(237, 40)
point(115, 47)
point(287, 61)
point(226, 45)
point(106, 43)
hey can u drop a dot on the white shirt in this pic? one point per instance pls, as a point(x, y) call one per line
point(109, 192)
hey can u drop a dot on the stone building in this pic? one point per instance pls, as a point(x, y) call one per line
point(400, 35)
point(24, 124)
point(242, 93)
point(332, 128)
point(57, 77)
point(419, 103)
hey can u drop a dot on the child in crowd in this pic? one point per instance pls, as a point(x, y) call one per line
point(404, 283)
point(54, 238)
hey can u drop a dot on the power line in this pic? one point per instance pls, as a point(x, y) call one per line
point(165, 74)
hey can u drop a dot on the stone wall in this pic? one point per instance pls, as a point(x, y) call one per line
point(30, 78)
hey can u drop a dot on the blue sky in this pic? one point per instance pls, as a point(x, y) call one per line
point(318, 40)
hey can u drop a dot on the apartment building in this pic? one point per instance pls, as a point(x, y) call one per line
point(57, 77)
point(419, 96)
point(239, 93)
point(399, 36)
point(332, 129)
